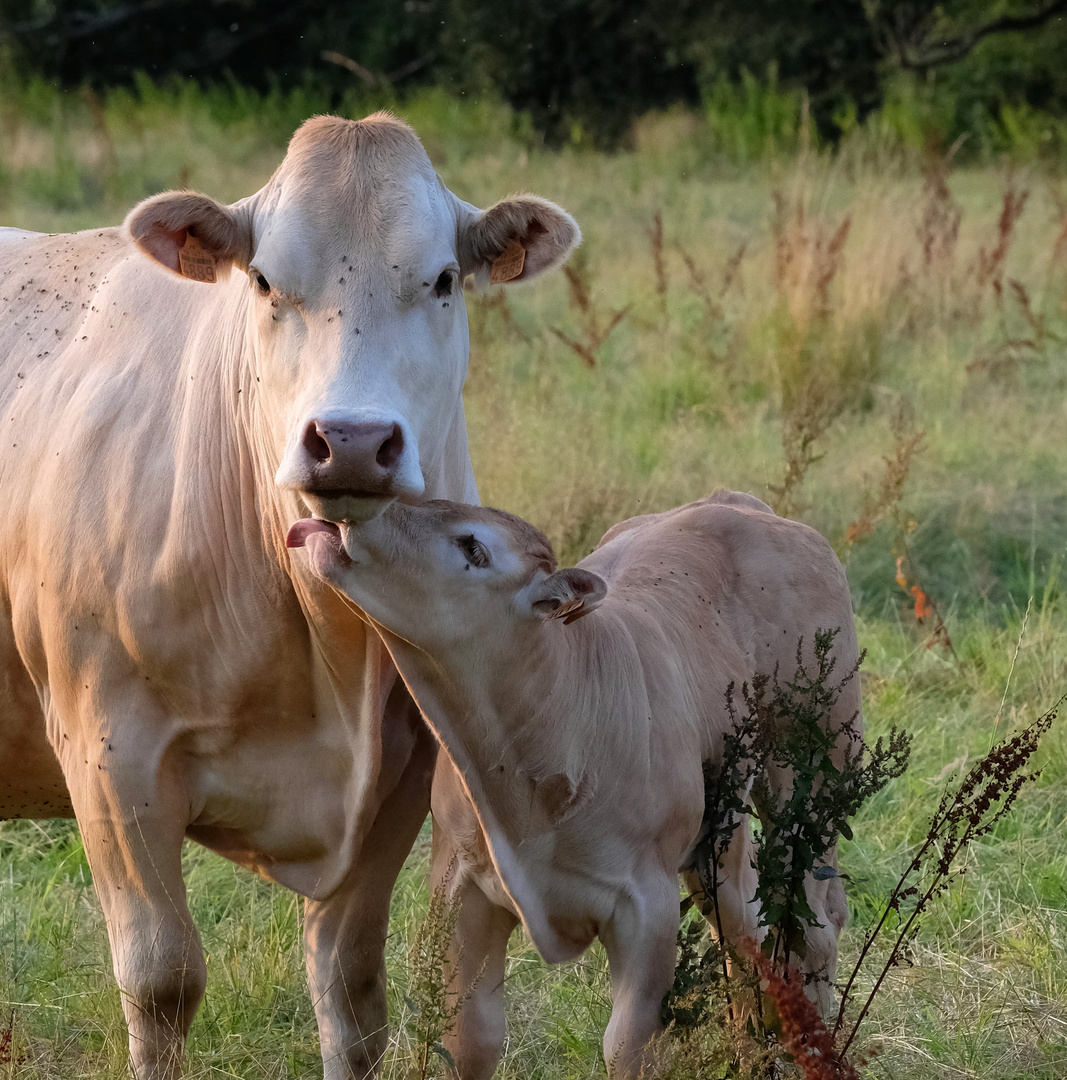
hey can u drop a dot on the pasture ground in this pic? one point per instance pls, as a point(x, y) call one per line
point(815, 311)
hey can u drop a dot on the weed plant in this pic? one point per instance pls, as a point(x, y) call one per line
point(433, 1001)
point(786, 729)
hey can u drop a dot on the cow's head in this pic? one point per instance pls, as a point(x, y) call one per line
point(353, 259)
point(444, 575)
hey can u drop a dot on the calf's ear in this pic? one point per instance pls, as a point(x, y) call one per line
point(515, 240)
point(191, 234)
point(568, 594)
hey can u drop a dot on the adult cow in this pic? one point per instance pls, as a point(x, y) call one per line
point(167, 671)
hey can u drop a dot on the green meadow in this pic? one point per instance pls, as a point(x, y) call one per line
point(872, 337)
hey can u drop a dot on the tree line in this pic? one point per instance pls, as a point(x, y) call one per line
point(593, 63)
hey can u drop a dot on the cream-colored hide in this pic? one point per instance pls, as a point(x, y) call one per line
point(173, 394)
point(576, 708)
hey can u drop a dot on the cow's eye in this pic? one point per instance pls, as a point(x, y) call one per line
point(262, 284)
point(473, 550)
point(443, 285)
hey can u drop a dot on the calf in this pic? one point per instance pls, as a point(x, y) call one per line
point(576, 709)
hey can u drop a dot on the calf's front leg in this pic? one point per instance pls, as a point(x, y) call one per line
point(641, 941)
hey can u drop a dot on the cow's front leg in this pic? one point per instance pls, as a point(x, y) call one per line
point(344, 935)
point(133, 839)
point(641, 941)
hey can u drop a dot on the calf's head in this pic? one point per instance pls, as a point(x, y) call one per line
point(351, 263)
point(444, 574)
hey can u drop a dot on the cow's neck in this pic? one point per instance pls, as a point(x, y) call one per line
point(228, 506)
point(331, 665)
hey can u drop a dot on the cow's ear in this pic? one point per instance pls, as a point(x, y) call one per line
point(190, 234)
point(516, 239)
point(568, 594)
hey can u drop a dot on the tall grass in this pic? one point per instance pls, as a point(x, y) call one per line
point(873, 338)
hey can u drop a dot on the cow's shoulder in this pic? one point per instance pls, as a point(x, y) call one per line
point(49, 287)
point(53, 274)
point(9, 235)
point(55, 255)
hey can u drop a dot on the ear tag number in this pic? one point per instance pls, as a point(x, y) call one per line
point(507, 266)
point(196, 261)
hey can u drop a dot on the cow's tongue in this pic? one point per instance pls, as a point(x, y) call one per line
point(328, 535)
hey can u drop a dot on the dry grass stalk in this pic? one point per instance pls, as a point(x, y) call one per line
point(924, 606)
point(8, 1056)
point(817, 364)
point(989, 265)
point(939, 229)
point(659, 264)
point(1038, 323)
point(433, 998)
point(702, 288)
point(804, 423)
point(732, 267)
point(1059, 248)
point(699, 286)
point(807, 257)
point(983, 798)
point(828, 258)
point(493, 302)
point(1004, 359)
point(802, 1032)
point(884, 503)
point(595, 329)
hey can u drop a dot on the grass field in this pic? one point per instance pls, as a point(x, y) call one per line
point(788, 326)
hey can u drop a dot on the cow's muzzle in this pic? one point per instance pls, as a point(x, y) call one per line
point(347, 470)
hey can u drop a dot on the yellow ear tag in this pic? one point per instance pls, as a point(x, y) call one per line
point(507, 266)
point(196, 261)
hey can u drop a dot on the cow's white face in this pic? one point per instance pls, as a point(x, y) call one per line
point(355, 256)
point(361, 349)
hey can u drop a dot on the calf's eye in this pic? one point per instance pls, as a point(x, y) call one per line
point(443, 285)
point(262, 284)
point(473, 550)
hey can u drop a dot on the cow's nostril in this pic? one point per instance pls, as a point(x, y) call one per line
point(390, 450)
point(314, 443)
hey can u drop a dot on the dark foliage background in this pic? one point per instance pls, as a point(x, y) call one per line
point(580, 68)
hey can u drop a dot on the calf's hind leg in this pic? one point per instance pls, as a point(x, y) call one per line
point(733, 913)
point(819, 964)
